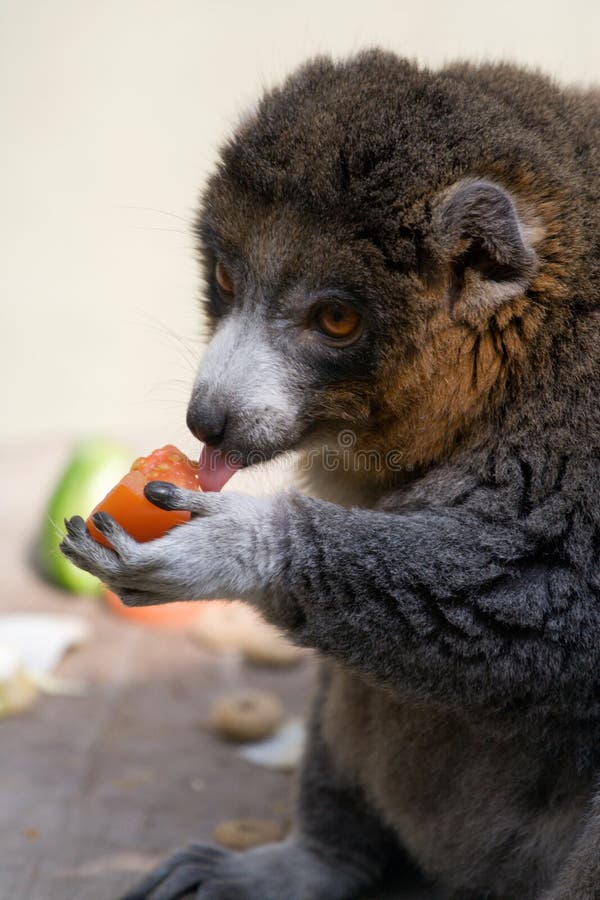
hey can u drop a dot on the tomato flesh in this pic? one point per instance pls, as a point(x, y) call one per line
point(127, 504)
point(168, 464)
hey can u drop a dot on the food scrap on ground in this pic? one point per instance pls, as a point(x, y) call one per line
point(247, 716)
point(18, 690)
point(282, 751)
point(176, 615)
point(243, 834)
point(237, 626)
point(31, 646)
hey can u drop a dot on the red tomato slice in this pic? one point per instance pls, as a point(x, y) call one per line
point(128, 506)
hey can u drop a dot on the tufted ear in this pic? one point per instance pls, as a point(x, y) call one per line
point(486, 246)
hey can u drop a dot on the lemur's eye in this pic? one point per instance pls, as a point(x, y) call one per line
point(337, 320)
point(224, 280)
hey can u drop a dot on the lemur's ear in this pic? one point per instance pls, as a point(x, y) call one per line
point(485, 247)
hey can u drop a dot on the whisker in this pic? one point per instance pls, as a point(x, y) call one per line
point(165, 403)
point(169, 230)
point(58, 530)
point(163, 212)
point(176, 386)
point(190, 353)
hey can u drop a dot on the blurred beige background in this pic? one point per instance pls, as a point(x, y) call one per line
point(111, 114)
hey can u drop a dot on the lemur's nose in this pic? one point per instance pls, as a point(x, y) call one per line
point(209, 426)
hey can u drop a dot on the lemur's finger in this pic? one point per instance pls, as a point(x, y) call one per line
point(85, 552)
point(162, 494)
point(168, 496)
point(121, 541)
point(75, 526)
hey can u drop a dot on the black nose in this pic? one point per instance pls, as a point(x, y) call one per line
point(208, 426)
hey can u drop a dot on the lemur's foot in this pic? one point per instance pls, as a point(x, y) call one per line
point(180, 874)
point(288, 870)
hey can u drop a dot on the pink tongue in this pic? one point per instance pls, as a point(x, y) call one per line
point(215, 469)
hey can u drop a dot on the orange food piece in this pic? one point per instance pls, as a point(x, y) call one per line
point(179, 614)
point(145, 522)
point(128, 506)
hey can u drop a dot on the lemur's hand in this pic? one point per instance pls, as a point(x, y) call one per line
point(228, 549)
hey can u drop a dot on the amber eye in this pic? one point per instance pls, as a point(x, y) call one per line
point(337, 320)
point(223, 279)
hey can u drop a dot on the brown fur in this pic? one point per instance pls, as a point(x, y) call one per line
point(370, 732)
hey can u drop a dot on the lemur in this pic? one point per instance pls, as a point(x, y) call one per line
point(412, 258)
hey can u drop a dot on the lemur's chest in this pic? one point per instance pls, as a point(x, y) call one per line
point(331, 478)
point(461, 800)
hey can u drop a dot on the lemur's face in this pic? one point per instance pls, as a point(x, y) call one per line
point(363, 269)
point(298, 327)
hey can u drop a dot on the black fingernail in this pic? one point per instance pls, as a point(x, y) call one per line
point(101, 521)
point(75, 525)
point(160, 493)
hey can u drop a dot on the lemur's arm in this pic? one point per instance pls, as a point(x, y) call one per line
point(443, 599)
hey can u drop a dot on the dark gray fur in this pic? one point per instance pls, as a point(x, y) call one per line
point(456, 600)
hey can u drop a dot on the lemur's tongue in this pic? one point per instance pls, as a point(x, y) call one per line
point(215, 469)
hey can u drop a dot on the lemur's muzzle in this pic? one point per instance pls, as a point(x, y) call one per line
point(242, 406)
point(208, 424)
